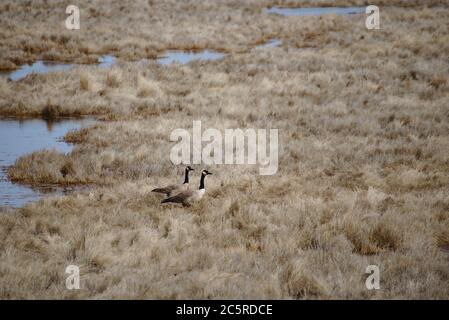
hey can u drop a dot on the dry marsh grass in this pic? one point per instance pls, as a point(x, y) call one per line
point(143, 28)
point(363, 169)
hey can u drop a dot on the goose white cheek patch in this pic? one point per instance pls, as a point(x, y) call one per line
point(235, 146)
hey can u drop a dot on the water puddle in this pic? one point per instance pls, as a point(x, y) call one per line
point(184, 57)
point(106, 61)
point(315, 11)
point(20, 137)
point(42, 66)
point(269, 44)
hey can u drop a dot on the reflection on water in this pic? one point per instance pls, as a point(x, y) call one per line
point(184, 57)
point(315, 11)
point(41, 66)
point(20, 137)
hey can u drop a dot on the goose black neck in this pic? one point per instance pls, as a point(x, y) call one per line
point(186, 177)
point(202, 181)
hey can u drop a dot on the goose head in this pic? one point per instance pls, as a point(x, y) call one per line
point(205, 173)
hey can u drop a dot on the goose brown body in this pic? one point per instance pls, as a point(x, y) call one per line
point(176, 188)
point(187, 197)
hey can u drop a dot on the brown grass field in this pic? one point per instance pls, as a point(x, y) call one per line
point(363, 175)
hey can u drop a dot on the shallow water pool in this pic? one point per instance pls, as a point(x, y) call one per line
point(269, 44)
point(184, 57)
point(19, 137)
point(42, 66)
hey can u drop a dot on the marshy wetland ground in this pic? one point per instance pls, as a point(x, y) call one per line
point(363, 174)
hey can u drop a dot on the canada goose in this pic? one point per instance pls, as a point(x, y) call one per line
point(189, 196)
point(176, 188)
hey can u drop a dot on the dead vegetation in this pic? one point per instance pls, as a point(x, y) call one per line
point(363, 169)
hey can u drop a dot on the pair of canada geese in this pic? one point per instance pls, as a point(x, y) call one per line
point(181, 193)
